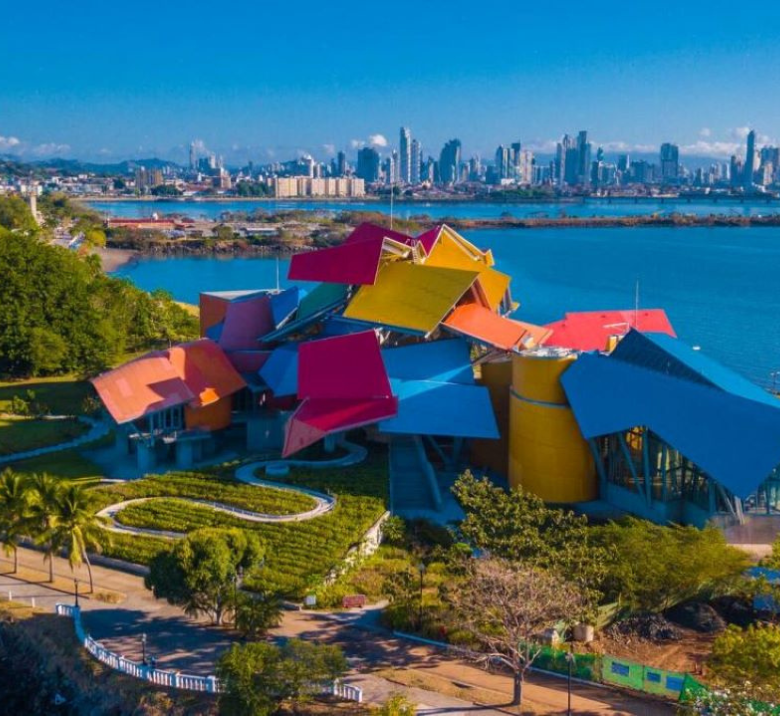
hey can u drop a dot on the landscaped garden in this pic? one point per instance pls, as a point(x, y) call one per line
point(298, 554)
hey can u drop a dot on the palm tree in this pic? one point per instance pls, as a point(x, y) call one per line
point(14, 501)
point(44, 495)
point(76, 526)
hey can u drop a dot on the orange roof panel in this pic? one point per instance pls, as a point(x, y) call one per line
point(143, 386)
point(483, 325)
point(207, 371)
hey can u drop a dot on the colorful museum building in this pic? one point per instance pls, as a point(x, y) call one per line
point(412, 340)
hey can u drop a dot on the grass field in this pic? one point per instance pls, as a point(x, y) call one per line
point(63, 395)
point(298, 554)
point(30, 434)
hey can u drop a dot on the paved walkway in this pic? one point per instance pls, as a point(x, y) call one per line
point(191, 646)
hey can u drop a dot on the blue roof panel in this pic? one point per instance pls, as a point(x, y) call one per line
point(284, 304)
point(445, 409)
point(668, 355)
point(443, 360)
point(280, 371)
point(734, 439)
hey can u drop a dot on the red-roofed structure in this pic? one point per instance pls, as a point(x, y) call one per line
point(592, 330)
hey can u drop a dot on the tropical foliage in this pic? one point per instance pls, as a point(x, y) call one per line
point(60, 313)
point(259, 677)
point(200, 572)
point(59, 516)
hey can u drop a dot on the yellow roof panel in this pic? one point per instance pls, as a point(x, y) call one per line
point(412, 296)
point(453, 251)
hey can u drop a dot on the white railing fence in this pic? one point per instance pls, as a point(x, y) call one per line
point(167, 678)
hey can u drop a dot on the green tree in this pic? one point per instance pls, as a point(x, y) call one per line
point(256, 613)
point(95, 237)
point(44, 498)
point(258, 677)
point(652, 567)
point(748, 660)
point(517, 526)
point(76, 526)
point(47, 351)
point(14, 503)
point(15, 215)
point(396, 705)
point(198, 573)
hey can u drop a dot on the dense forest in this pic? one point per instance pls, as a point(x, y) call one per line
point(60, 313)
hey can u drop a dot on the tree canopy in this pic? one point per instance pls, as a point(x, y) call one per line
point(60, 313)
point(199, 572)
point(258, 677)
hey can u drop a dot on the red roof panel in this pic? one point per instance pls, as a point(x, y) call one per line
point(591, 330)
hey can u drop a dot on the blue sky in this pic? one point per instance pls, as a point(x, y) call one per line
point(261, 80)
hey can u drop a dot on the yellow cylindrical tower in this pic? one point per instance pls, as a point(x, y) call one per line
point(547, 454)
point(494, 454)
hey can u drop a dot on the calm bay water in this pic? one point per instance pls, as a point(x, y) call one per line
point(718, 285)
point(460, 210)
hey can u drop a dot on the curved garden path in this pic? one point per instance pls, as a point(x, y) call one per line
point(246, 474)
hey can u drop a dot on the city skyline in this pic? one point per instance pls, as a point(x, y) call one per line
point(100, 83)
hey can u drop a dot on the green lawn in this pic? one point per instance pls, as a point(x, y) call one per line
point(30, 434)
point(65, 464)
point(298, 554)
point(61, 395)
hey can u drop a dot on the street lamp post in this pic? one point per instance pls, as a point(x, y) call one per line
point(570, 662)
point(421, 569)
point(76, 591)
point(143, 647)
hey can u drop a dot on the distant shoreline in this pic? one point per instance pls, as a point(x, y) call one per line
point(115, 258)
point(758, 199)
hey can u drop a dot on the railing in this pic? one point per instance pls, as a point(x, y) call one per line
point(172, 679)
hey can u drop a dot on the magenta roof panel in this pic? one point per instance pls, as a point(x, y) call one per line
point(366, 231)
point(343, 367)
point(350, 263)
point(245, 321)
point(316, 418)
point(429, 238)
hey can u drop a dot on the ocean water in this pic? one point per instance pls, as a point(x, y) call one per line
point(719, 286)
point(460, 210)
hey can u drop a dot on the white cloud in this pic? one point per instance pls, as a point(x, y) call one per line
point(623, 147)
point(329, 149)
point(50, 149)
point(377, 140)
point(7, 143)
point(739, 133)
point(357, 143)
point(711, 149)
point(705, 132)
point(544, 146)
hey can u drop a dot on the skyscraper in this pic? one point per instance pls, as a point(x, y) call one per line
point(583, 159)
point(562, 155)
point(193, 157)
point(449, 160)
point(670, 162)
point(405, 150)
point(368, 164)
point(341, 164)
point(750, 160)
point(416, 170)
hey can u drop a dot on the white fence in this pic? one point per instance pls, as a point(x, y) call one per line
point(172, 679)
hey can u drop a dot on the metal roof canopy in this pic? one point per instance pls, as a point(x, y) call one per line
point(733, 435)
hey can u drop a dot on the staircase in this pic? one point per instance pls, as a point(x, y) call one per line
point(413, 485)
